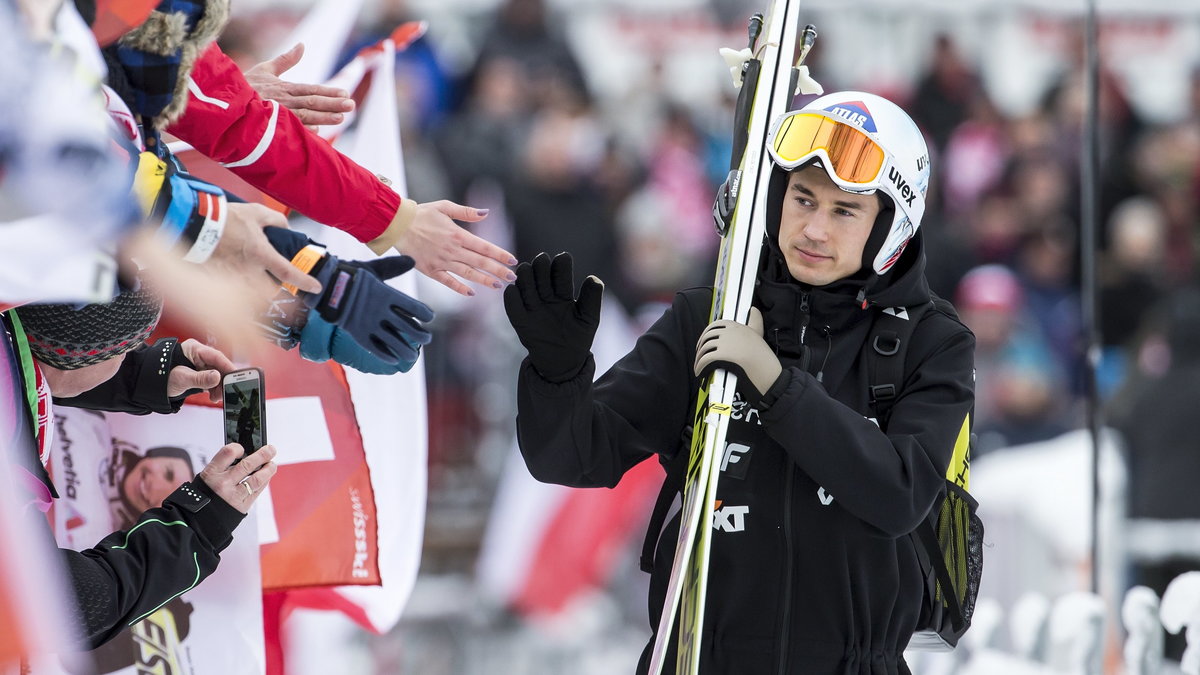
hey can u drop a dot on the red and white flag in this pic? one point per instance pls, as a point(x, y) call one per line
point(391, 410)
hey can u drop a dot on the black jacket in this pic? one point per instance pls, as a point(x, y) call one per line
point(811, 569)
point(130, 573)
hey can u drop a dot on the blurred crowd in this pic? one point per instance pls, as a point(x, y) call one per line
point(626, 185)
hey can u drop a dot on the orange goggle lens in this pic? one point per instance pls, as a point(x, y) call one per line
point(854, 156)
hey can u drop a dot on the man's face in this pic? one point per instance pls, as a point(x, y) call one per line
point(823, 229)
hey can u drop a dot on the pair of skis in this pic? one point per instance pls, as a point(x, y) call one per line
point(768, 81)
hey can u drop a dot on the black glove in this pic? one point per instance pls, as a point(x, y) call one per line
point(556, 328)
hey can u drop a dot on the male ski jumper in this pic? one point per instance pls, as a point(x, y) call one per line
point(811, 568)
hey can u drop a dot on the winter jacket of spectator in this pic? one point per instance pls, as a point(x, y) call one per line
point(267, 146)
point(131, 573)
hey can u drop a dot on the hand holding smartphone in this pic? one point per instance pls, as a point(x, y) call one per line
point(245, 409)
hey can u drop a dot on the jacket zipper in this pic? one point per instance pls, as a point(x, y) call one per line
point(804, 317)
point(786, 620)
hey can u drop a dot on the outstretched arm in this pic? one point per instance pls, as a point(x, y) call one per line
point(267, 145)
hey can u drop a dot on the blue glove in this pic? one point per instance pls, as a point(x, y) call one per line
point(382, 320)
point(321, 341)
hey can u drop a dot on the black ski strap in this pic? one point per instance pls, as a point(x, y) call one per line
point(887, 344)
point(672, 485)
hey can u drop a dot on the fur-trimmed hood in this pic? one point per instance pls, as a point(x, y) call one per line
point(176, 31)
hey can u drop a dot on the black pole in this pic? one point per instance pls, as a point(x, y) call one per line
point(1088, 190)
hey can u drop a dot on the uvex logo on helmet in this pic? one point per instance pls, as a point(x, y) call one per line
point(903, 189)
point(854, 112)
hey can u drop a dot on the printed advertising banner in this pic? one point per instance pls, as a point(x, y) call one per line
point(110, 468)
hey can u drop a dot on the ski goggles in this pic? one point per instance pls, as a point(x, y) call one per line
point(852, 156)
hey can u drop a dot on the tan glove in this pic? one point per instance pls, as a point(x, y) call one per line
point(740, 348)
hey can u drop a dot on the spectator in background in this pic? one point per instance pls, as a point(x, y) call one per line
point(675, 170)
point(1166, 163)
point(1164, 457)
point(1043, 188)
point(944, 95)
point(1046, 267)
point(430, 89)
point(1016, 406)
point(483, 139)
point(976, 154)
point(521, 32)
point(1131, 272)
point(554, 204)
point(996, 228)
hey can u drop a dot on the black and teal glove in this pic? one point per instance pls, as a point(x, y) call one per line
point(357, 319)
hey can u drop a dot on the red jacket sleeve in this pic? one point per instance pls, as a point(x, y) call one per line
point(267, 146)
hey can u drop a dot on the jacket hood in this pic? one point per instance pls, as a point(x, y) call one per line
point(157, 57)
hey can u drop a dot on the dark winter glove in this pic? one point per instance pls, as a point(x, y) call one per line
point(381, 319)
point(556, 328)
point(321, 341)
point(384, 322)
point(740, 348)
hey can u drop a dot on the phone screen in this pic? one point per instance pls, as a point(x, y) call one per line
point(244, 409)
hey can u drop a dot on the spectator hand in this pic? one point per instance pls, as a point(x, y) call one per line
point(382, 320)
point(212, 365)
point(554, 326)
point(314, 104)
point(230, 481)
point(443, 249)
point(244, 251)
point(321, 341)
point(360, 321)
point(740, 348)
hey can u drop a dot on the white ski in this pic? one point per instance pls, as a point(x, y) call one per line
point(737, 267)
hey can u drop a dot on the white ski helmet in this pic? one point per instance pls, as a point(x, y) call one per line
point(866, 144)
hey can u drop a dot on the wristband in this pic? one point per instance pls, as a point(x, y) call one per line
point(305, 260)
point(213, 209)
point(179, 210)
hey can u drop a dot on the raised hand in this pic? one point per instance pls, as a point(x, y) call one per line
point(555, 326)
point(314, 104)
point(443, 249)
point(211, 363)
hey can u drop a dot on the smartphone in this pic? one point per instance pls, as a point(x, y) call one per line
point(245, 409)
